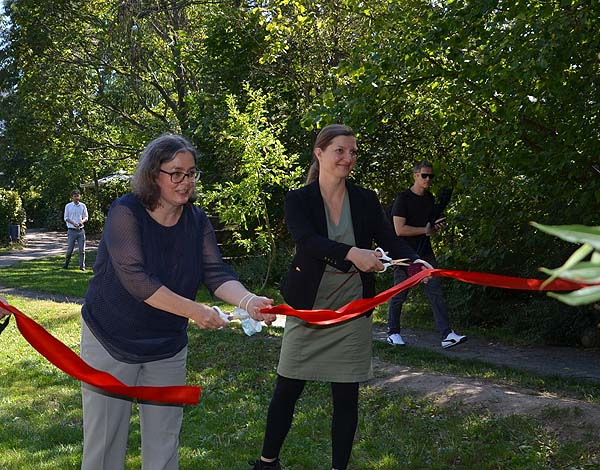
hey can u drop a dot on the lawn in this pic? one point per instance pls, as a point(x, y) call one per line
point(40, 407)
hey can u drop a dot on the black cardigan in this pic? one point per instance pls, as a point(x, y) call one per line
point(306, 220)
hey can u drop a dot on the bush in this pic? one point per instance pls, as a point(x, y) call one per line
point(34, 205)
point(11, 213)
point(112, 190)
point(252, 269)
point(96, 220)
point(527, 317)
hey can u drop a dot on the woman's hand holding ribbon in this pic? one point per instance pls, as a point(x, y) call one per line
point(256, 304)
point(417, 266)
point(425, 264)
point(207, 318)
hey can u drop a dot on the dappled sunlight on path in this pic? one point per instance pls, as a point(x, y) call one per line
point(40, 244)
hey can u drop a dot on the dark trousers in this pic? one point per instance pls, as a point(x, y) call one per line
point(343, 424)
point(75, 236)
point(433, 291)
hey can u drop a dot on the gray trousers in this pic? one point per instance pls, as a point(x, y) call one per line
point(106, 419)
point(74, 235)
point(433, 291)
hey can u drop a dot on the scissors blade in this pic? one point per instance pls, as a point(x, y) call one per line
point(400, 262)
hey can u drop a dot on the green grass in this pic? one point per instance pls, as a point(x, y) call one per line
point(40, 407)
point(48, 276)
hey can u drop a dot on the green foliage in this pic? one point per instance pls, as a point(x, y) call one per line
point(492, 94)
point(11, 213)
point(114, 188)
point(575, 268)
point(83, 93)
point(261, 173)
point(95, 223)
point(98, 203)
point(253, 269)
point(501, 96)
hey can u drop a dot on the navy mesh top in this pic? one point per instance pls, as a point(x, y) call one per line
point(135, 258)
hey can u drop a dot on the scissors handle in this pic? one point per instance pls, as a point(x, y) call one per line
point(384, 256)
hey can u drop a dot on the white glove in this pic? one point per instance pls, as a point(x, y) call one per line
point(249, 324)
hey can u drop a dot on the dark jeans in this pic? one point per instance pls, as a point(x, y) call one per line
point(78, 236)
point(433, 291)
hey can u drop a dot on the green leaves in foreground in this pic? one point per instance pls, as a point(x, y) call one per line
point(575, 269)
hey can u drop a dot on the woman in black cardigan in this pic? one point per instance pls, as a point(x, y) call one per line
point(334, 224)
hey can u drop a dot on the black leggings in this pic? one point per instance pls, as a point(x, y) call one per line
point(343, 423)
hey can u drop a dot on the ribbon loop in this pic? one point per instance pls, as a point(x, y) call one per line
point(69, 362)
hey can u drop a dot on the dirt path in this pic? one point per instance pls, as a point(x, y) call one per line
point(577, 363)
point(566, 417)
point(41, 244)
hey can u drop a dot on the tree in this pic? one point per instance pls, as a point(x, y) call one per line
point(261, 172)
point(85, 88)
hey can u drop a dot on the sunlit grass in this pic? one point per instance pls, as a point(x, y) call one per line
point(48, 276)
point(40, 407)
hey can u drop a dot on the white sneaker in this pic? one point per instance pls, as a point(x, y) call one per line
point(396, 340)
point(452, 339)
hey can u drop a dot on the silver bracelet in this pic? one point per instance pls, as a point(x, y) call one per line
point(244, 298)
point(248, 302)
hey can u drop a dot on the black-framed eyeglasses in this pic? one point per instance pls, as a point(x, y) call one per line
point(178, 176)
point(427, 175)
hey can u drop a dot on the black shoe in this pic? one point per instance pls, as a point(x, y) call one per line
point(262, 465)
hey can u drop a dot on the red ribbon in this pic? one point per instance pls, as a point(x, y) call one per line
point(67, 361)
point(360, 306)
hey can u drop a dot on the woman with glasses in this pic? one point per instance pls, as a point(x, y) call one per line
point(334, 224)
point(157, 249)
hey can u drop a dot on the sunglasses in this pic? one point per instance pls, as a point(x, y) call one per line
point(427, 175)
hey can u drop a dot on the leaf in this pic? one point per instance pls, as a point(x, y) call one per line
point(582, 272)
point(573, 233)
point(575, 258)
point(584, 296)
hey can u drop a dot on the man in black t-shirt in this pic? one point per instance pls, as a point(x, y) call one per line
point(411, 214)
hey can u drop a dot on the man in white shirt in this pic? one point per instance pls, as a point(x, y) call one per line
point(76, 215)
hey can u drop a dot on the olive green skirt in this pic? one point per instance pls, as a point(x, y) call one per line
point(337, 353)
